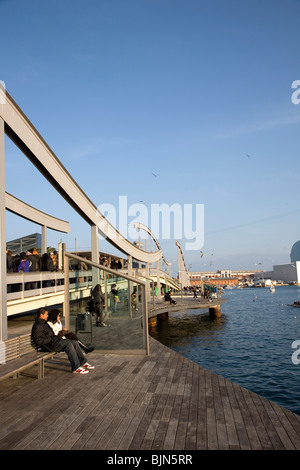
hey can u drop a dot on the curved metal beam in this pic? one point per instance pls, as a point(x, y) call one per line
point(184, 277)
point(22, 132)
point(147, 229)
point(28, 212)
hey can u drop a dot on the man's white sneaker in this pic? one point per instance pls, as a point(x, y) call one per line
point(88, 366)
point(81, 370)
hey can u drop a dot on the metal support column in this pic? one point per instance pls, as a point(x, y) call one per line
point(130, 265)
point(95, 254)
point(148, 287)
point(44, 240)
point(3, 296)
point(94, 244)
point(66, 307)
point(158, 281)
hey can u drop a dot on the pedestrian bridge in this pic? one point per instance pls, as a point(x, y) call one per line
point(21, 131)
point(32, 290)
point(51, 289)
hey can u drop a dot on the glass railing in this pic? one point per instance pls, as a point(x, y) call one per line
point(105, 308)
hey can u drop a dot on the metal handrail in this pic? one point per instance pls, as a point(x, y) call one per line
point(104, 268)
point(66, 309)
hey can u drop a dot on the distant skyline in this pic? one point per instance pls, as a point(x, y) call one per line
point(164, 102)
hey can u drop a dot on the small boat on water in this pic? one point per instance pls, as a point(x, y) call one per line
point(295, 304)
point(272, 289)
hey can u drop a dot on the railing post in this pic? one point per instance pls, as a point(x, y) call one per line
point(153, 293)
point(145, 319)
point(129, 298)
point(3, 290)
point(44, 239)
point(66, 307)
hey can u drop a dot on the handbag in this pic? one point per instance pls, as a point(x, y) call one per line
point(68, 334)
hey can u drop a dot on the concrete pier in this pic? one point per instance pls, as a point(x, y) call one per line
point(215, 312)
point(184, 304)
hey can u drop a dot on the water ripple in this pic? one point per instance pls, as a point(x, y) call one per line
point(251, 344)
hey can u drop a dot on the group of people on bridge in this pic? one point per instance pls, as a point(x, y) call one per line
point(29, 261)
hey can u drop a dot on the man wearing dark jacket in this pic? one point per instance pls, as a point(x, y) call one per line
point(43, 337)
point(99, 299)
point(35, 264)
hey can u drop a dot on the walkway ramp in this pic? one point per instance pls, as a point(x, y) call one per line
point(158, 402)
point(22, 132)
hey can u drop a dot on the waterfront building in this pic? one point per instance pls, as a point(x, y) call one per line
point(295, 252)
point(223, 277)
point(288, 273)
point(25, 243)
point(218, 281)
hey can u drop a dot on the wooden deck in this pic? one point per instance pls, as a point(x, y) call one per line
point(158, 402)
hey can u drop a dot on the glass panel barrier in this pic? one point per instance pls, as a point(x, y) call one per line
point(105, 308)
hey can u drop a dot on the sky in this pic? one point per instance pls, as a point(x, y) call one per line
point(185, 102)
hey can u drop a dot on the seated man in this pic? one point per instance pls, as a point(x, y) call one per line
point(43, 337)
point(168, 297)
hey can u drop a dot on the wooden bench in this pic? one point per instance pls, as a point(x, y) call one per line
point(17, 354)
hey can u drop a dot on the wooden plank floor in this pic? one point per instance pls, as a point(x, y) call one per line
point(158, 402)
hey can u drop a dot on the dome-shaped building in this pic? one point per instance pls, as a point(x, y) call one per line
point(295, 253)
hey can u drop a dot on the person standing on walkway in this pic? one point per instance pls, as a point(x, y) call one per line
point(133, 299)
point(115, 296)
point(43, 337)
point(99, 305)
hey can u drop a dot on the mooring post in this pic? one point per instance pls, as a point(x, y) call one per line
point(215, 312)
point(162, 316)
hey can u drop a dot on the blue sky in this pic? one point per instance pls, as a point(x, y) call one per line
point(198, 92)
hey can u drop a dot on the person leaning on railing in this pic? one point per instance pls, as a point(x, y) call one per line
point(47, 265)
point(9, 262)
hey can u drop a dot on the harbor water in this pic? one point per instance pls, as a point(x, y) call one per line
point(254, 343)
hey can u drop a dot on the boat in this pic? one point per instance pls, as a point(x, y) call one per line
point(272, 289)
point(295, 304)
